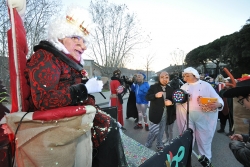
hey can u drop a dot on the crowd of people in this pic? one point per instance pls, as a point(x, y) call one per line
point(163, 111)
point(56, 77)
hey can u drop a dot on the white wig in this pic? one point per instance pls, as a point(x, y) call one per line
point(75, 22)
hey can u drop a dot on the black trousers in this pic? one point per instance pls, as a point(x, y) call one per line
point(224, 118)
point(110, 153)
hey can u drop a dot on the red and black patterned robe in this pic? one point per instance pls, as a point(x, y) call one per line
point(50, 73)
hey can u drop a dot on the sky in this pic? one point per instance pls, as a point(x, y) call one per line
point(181, 24)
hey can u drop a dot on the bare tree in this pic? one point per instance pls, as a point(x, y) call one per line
point(149, 60)
point(4, 26)
point(116, 36)
point(177, 58)
point(36, 18)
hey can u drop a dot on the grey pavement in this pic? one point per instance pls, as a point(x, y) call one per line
point(222, 155)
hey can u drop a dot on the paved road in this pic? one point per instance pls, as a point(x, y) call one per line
point(222, 155)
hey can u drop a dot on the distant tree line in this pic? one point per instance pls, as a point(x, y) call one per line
point(233, 50)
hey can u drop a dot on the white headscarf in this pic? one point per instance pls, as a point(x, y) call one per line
point(192, 71)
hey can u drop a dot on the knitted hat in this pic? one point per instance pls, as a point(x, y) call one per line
point(193, 71)
point(144, 76)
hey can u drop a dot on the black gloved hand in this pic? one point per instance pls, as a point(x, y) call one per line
point(124, 78)
point(84, 80)
point(78, 93)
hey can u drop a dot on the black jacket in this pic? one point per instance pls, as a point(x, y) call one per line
point(157, 105)
point(241, 149)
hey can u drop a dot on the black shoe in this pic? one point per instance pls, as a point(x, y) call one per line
point(160, 149)
point(222, 128)
point(230, 133)
point(124, 129)
point(221, 131)
point(138, 126)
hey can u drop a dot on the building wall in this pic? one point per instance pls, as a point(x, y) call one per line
point(88, 66)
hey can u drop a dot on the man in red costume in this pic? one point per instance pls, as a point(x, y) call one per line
point(117, 91)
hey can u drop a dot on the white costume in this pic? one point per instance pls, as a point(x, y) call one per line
point(202, 123)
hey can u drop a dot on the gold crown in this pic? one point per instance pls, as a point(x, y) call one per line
point(72, 21)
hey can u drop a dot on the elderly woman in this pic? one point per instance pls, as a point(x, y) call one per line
point(57, 79)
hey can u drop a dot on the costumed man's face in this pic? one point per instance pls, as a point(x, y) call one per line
point(134, 78)
point(164, 78)
point(245, 101)
point(75, 45)
point(139, 78)
point(189, 77)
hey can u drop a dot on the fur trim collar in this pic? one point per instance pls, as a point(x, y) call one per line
point(116, 78)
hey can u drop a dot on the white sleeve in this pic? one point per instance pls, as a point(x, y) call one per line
point(213, 93)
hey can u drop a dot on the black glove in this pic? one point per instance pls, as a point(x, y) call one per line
point(84, 80)
point(120, 98)
point(78, 93)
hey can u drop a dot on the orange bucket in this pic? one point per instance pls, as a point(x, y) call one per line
point(206, 100)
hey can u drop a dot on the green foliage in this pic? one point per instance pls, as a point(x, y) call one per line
point(233, 49)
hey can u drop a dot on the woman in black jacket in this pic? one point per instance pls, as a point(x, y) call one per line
point(161, 110)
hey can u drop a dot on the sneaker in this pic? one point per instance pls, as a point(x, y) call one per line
point(167, 143)
point(138, 126)
point(136, 120)
point(159, 148)
point(146, 127)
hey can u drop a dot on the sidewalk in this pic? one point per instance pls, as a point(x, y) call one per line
point(100, 100)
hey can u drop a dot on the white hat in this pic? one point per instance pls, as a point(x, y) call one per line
point(192, 71)
point(75, 22)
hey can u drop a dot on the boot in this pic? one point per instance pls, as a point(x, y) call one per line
point(222, 128)
point(231, 130)
point(230, 133)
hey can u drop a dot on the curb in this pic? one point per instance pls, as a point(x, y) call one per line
point(101, 104)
